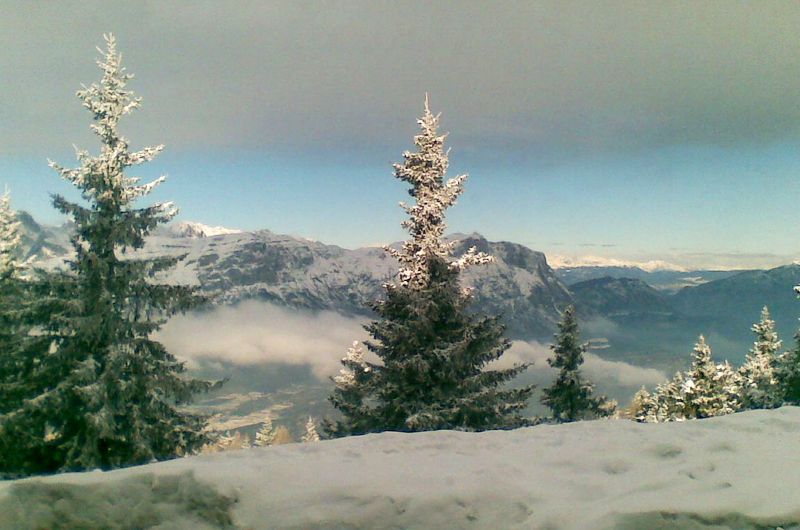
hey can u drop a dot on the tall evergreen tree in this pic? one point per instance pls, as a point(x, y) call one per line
point(761, 388)
point(9, 238)
point(433, 352)
point(16, 341)
point(22, 347)
point(787, 370)
point(570, 397)
point(107, 394)
point(787, 373)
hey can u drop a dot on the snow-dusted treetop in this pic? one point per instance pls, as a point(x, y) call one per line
point(354, 358)
point(9, 236)
point(311, 434)
point(101, 178)
point(425, 171)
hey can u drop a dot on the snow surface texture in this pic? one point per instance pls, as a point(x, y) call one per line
point(740, 471)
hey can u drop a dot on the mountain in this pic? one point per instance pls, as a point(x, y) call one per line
point(232, 266)
point(648, 326)
point(633, 322)
point(39, 243)
point(190, 229)
point(731, 305)
point(669, 281)
point(619, 297)
point(636, 322)
point(567, 262)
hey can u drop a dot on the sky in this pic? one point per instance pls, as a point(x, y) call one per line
point(634, 130)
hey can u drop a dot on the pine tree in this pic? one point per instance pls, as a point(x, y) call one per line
point(15, 294)
point(787, 370)
point(107, 394)
point(9, 238)
point(311, 434)
point(707, 389)
point(266, 434)
point(22, 347)
point(787, 373)
point(351, 387)
point(570, 397)
point(643, 406)
point(761, 388)
point(712, 389)
point(433, 352)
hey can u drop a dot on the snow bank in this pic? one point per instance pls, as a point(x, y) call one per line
point(738, 471)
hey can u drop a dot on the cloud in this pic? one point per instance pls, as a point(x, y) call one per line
point(253, 333)
point(616, 379)
point(256, 333)
point(546, 79)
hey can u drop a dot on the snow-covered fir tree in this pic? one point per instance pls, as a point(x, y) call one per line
point(787, 372)
point(761, 388)
point(15, 296)
point(666, 403)
point(570, 396)
point(707, 389)
point(643, 406)
point(351, 387)
point(433, 352)
point(311, 434)
point(712, 389)
point(266, 434)
point(108, 394)
point(23, 308)
point(9, 237)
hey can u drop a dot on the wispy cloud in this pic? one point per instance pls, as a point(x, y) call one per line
point(255, 333)
point(616, 379)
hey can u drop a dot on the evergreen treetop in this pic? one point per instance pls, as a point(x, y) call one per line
point(760, 372)
point(266, 434)
point(424, 170)
point(311, 434)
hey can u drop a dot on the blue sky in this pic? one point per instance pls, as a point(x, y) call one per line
point(630, 130)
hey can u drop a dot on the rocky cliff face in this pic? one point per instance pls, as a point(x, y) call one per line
point(234, 266)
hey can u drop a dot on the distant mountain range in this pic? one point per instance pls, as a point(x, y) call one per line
point(232, 266)
point(647, 317)
point(670, 280)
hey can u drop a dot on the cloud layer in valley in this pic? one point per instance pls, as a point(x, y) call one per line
point(253, 333)
point(256, 333)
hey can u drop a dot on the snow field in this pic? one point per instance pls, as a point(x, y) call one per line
point(736, 471)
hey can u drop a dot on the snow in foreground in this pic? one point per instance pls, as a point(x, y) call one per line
point(738, 471)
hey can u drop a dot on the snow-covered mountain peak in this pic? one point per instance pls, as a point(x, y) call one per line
point(193, 229)
point(567, 262)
